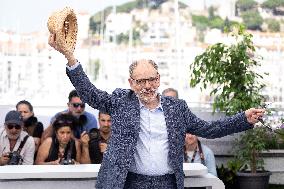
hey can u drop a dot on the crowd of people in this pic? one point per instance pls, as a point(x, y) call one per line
point(73, 136)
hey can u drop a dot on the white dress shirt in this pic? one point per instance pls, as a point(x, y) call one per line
point(151, 153)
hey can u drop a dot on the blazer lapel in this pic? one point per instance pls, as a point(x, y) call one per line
point(169, 113)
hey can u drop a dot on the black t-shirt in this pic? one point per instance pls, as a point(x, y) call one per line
point(38, 130)
point(54, 149)
point(33, 127)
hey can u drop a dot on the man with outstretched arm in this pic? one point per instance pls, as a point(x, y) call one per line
point(148, 130)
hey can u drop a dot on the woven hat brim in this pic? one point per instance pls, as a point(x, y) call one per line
point(66, 34)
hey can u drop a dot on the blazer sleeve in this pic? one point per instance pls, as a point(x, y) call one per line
point(96, 98)
point(214, 129)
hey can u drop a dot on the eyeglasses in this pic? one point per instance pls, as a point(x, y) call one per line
point(76, 105)
point(142, 82)
point(16, 126)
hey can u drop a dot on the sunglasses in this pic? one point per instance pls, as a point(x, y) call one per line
point(63, 123)
point(76, 105)
point(16, 126)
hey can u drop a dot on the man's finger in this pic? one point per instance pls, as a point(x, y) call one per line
point(83, 133)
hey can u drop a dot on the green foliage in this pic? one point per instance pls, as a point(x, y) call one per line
point(273, 25)
point(201, 22)
point(211, 12)
point(212, 21)
point(245, 5)
point(236, 86)
point(272, 4)
point(127, 7)
point(97, 19)
point(250, 145)
point(229, 70)
point(139, 28)
point(124, 38)
point(95, 67)
point(252, 20)
point(228, 174)
point(217, 22)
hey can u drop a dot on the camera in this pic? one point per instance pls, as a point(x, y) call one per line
point(94, 148)
point(15, 158)
point(66, 161)
point(94, 135)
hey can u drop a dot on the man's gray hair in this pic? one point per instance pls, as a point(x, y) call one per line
point(134, 64)
point(170, 90)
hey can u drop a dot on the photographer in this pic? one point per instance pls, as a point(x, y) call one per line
point(16, 147)
point(76, 107)
point(95, 143)
point(31, 124)
point(60, 148)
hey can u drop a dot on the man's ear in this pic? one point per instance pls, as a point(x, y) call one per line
point(130, 82)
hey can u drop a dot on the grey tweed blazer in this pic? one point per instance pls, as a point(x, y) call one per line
point(123, 106)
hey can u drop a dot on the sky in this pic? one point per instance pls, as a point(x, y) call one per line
point(32, 15)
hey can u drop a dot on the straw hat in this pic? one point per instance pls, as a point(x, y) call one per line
point(63, 23)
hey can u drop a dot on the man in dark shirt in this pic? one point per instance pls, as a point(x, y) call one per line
point(77, 108)
point(94, 145)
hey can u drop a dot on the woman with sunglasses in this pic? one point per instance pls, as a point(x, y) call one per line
point(61, 148)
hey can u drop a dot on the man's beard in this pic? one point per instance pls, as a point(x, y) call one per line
point(13, 136)
point(147, 99)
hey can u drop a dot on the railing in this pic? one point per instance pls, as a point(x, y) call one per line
point(84, 176)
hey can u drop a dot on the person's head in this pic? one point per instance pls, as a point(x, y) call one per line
point(170, 92)
point(144, 80)
point(30, 124)
point(63, 126)
point(13, 124)
point(75, 105)
point(25, 108)
point(190, 139)
point(105, 122)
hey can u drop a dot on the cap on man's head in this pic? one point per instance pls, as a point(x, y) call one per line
point(14, 117)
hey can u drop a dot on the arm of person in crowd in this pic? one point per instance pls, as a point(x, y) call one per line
point(78, 151)
point(4, 159)
point(47, 133)
point(210, 162)
point(37, 142)
point(29, 151)
point(43, 152)
point(85, 155)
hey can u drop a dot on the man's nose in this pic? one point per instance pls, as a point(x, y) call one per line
point(147, 84)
